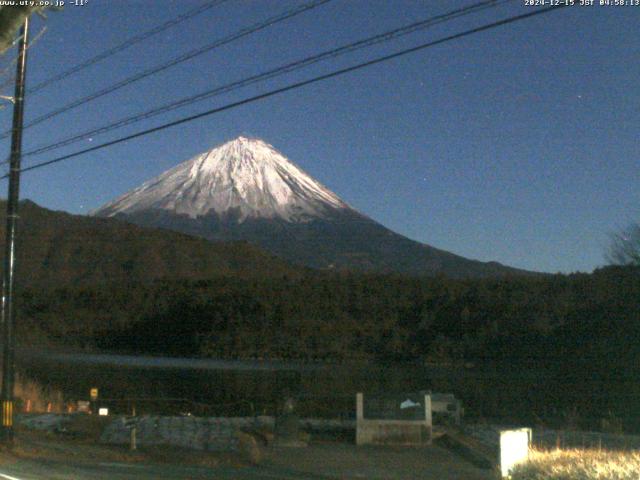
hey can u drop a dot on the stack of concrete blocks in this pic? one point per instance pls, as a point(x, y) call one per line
point(393, 431)
point(215, 434)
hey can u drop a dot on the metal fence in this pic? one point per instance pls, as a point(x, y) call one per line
point(566, 439)
point(328, 407)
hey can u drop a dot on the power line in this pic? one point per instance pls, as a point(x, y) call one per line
point(182, 58)
point(7, 69)
point(287, 68)
point(126, 44)
point(294, 86)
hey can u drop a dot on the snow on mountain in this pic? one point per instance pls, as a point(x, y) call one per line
point(246, 177)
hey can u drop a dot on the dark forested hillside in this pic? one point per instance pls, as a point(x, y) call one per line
point(340, 316)
point(56, 248)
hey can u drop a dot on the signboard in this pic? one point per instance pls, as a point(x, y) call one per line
point(514, 448)
point(93, 394)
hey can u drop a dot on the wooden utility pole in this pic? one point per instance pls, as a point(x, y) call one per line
point(8, 317)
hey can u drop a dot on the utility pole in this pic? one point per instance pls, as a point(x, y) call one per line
point(8, 317)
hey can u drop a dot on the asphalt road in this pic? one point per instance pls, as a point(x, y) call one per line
point(36, 470)
point(50, 458)
point(370, 470)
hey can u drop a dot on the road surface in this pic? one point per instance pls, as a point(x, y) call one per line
point(38, 470)
point(316, 462)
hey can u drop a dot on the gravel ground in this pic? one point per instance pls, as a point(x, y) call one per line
point(345, 461)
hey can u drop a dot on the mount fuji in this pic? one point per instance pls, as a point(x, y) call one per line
point(246, 190)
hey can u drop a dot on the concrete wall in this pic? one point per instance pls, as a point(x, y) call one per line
point(214, 434)
point(392, 432)
point(199, 433)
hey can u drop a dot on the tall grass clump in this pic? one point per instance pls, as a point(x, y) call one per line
point(579, 465)
point(34, 398)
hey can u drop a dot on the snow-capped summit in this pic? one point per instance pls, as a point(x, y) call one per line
point(245, 177)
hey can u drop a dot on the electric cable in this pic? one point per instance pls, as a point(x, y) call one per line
point(287, 68)
point(182, 58)
point(126, 44)
point(11, 65)
point(294, 86)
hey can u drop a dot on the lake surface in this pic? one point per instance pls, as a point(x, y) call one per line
point(228, 386)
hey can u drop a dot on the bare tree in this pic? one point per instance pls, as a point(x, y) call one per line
point(625, 246)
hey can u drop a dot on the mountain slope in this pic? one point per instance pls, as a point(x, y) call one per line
point(56, 248)
point(247, 190)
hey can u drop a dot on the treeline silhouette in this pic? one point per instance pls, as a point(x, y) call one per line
point(350, 316)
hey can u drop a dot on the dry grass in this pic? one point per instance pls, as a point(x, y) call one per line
point(579, 465)
point(32, 397)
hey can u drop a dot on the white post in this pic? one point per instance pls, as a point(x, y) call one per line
point(359, 419)
point(427, 410)
point(359, 406)
point(428, 418)
point(134, 444)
